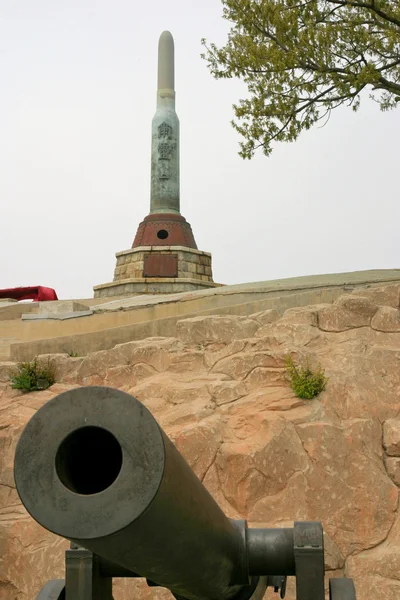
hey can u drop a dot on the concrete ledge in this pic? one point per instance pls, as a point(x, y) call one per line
point(147, 280)
point(61, 306)
point(14, 311)
point(151, 286)
point(57, 316)
point(160, 248)
point(327, 280)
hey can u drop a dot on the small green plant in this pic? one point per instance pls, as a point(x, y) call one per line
point(72, 354)
point(32, 376)
point(305, 382)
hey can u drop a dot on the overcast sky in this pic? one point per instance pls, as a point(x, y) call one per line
point(77, 95)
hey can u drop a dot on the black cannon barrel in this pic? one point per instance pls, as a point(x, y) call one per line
point(93, 466)
point(271, 551)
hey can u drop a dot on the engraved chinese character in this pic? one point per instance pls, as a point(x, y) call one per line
point(164, 170)
point(164, 130)
point(164, 150)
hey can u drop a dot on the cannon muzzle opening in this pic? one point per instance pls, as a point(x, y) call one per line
point(88, 460)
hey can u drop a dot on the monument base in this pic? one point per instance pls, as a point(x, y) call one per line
point(158, 270)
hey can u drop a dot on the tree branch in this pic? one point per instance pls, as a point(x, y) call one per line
point(369, 6)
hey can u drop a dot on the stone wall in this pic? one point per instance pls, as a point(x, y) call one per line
point(217, 387)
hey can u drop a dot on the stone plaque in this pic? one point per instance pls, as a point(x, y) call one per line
point(160, 265)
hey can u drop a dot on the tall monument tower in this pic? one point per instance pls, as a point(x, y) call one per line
point(164, 257)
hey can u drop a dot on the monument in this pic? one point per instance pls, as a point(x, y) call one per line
point(164, 257)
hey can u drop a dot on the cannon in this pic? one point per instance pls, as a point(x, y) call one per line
point(93, 466)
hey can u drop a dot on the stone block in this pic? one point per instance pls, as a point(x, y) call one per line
point(129, 288)
point(138, 256)
point(387, 319)
point(304, 315)
point(217, 329)
point(188, 257)
point(61, 306)
point(385, 295)
point(204, 260)
point(393, 468)
point(265, 317)
point(391, 437)
point(338, 318)
point(358, 305)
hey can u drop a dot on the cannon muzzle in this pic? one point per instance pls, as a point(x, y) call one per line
point(94, 466)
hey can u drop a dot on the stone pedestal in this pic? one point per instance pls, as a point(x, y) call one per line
point(158, 270)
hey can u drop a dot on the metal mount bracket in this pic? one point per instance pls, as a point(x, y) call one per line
point(89, 577)
point(83, 579)
point(278, 582)
point(309, 560)
point(341, 589)
point(53, 590)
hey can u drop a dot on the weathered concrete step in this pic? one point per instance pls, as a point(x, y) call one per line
point(5, 344)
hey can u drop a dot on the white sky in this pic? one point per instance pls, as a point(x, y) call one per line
point(77, 95)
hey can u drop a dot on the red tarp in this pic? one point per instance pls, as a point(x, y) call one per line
point(37, 293)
